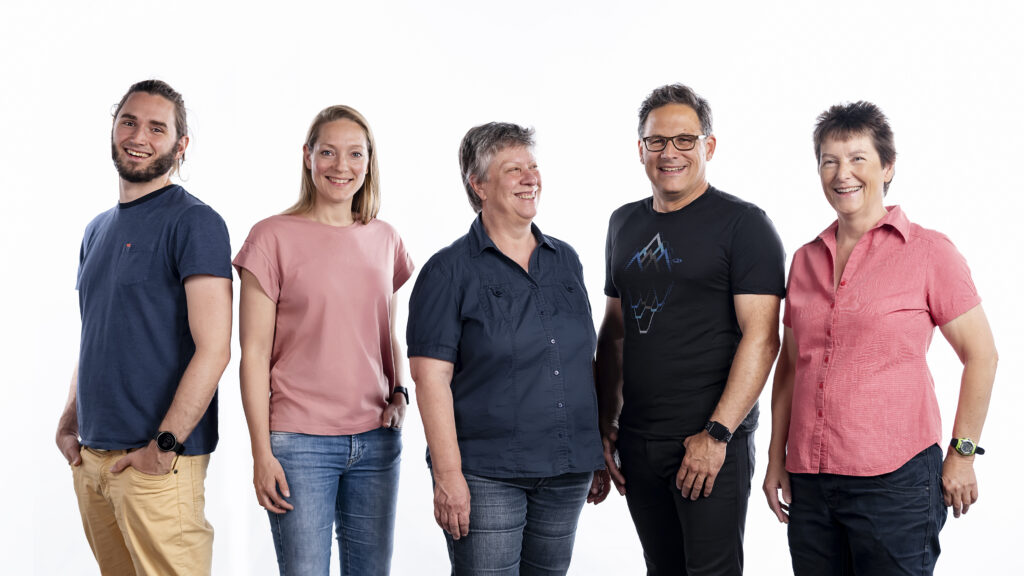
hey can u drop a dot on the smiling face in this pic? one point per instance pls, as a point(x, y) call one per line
point(853, 178)
point(144, 143)
point(338, 162)
point(512, 189)
point(677, 178)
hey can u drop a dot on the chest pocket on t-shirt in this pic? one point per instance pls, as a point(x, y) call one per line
point(567, 296)
point(133, 263)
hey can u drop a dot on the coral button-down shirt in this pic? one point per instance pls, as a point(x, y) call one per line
point(863, 399)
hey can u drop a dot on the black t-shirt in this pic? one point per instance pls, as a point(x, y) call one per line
point(676, 274)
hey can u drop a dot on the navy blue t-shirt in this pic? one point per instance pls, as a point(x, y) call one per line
point(136, 342)
point(523, 348)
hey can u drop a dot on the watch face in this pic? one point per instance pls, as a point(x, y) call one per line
point(165, 441)
point(966, 447)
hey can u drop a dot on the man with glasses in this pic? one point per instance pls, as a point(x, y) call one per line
point(694, 278)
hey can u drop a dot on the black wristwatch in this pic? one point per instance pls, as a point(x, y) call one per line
point(168, 443)
point(718, 431)
point(403, 391)
point(965, 446)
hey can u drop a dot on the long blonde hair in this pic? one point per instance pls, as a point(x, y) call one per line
point(366, 202)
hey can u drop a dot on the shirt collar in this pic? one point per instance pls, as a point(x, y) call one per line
point(894, 218)
point(480, 241)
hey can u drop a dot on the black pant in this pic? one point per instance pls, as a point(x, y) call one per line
point(876, 525)
point(682, 536)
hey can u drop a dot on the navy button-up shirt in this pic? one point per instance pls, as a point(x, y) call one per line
point(522, 345)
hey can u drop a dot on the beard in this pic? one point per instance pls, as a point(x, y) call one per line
point(159, 166)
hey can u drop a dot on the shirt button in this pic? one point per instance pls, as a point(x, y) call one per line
point(560, 405)
point(552, 340)
point(821, 384)
point(828, 332)
point(832, 305)
point(556, 372)
point(842, 283)
point(819, 414)
point(826, 359)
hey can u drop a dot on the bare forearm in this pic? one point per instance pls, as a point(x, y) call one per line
point(747, 377)
point(196, 389)
point(68, 422)
point(782, 408)
point(434, 398)
point(254, 374)
point(975, 393)
point(608, 378)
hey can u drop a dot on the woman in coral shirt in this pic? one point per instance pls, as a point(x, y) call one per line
point(856, 446)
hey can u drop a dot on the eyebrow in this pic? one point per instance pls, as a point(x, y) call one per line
point(127, 116)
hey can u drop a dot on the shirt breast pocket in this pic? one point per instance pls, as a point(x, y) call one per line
point(497, 302)
point(568, 297)
point(133, 264)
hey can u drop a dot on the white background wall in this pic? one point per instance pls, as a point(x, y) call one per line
point(253, 75)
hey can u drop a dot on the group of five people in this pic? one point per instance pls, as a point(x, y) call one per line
point(528, 413)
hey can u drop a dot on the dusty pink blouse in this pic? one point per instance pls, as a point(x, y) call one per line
point(331, 370)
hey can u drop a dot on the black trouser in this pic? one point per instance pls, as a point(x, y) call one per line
point(681, 536)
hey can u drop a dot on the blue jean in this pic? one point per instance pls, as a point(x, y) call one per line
point(520, 525)
point(879, 525)
point(348, 482)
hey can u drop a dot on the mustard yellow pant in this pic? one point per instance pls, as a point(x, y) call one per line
point(141, 524)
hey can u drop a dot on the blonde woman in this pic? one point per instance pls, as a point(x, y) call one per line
point(320, 365)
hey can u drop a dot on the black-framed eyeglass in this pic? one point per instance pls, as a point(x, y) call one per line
point(682, 142)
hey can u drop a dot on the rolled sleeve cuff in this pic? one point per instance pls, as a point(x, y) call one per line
point(435, 351)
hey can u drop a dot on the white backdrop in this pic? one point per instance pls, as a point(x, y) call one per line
point(253, 76)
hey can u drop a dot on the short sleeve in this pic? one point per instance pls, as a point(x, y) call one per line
point(256, 261)
point(403, 264)
point(758, 260)
point(435, 323)
point(201, 244)
point(950, 290)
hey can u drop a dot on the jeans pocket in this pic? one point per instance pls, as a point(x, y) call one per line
point(913, 476)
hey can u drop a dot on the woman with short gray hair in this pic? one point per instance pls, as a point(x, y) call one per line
point(501, 345)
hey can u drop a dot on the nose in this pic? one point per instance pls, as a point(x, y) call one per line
point(531, 177)
point(135, 134)
point(844, 169)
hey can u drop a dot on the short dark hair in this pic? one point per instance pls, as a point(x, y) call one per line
point(479, 146)
point(843, 121)
point(676, 94)
point(160, 88)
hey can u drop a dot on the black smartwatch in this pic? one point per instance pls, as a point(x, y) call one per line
point(718, 431)
point(168, 443)
point(965, 446)
point(403, 391)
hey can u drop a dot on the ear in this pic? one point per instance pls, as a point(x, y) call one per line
point(182, 145)
point(889, 172)
point(709, 147)
point(640, 150)
point(475, 185)
point(306, 159)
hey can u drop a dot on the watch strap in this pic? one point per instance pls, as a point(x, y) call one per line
point(403, 391)
point(718, 431)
